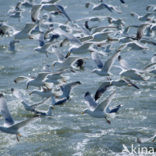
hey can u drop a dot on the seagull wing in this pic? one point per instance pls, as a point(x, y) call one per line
point(61, 9)
point(90, 101)
point(123, 63)
point(41, 75)
point(39, 103)
point(66, 90)
point(21, 124)
point(107, 7)
point(21, 79)
point(108, 64)
point(68, 36)
point(35, 12)
point(96, 58)
point(129, 82)
point(60, 56)
point(101, 89)
point(5, 112)
point(148, 67)
point(103, 105)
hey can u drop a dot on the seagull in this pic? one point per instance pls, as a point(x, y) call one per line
point(15, 14)
point(98, 110)
point(37, 81)
point(35, 13)
point(118, 83)
point(19, 95)
point(117, 22)
point(151, 7)
point(25, 32)
point(143, 140)
point(31, 107)
point(10, 126)
point(101, 36)
point(57, 8)
point(6, 30)
point(44, 49)
point(104, 69)
point(70, 37)
point(131, 73)
point(43, 93)
point(66, 89)
point(143, 18)
point(66, 64)
point(81, 49)
point(61, 10)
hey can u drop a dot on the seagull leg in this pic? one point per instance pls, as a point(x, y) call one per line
point(18, 135)
point(108, 121)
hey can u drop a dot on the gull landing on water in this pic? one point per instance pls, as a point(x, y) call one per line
point(9, 125)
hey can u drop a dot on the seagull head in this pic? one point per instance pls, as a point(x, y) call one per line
point(79, 63)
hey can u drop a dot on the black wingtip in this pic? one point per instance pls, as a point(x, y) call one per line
point(1, 95)
point(119, 57)
point(122, 1)
point(87, 93)
point(78, 82)
point(96, 96)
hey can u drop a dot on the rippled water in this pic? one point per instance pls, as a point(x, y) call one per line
point(68, 132)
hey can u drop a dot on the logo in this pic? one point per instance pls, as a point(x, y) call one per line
point(138, 150)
